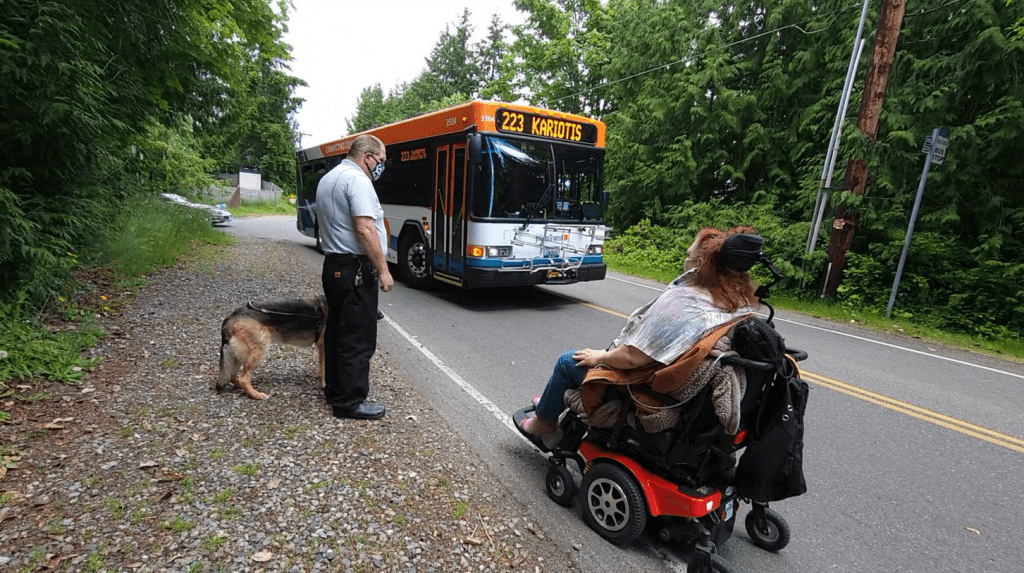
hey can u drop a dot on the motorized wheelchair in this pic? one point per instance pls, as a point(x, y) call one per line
point(684, 478)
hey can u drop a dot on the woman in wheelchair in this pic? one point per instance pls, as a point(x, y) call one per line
point(713, 292)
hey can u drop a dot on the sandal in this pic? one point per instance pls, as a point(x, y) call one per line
point(537, 427)
point(535, 399)
point(522, 420)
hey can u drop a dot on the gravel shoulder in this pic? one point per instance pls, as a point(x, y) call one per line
point(143, 467)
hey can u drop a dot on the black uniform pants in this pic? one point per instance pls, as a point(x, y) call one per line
point(350, 338)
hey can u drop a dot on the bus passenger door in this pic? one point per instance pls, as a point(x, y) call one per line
point(439, 226)
point(449, 209)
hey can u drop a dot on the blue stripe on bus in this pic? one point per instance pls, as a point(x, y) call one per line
point(496, 263)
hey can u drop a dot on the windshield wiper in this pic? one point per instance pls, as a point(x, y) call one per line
point(551, 185)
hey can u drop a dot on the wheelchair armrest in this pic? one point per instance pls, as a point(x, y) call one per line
point(747, 364)
point(797, 355)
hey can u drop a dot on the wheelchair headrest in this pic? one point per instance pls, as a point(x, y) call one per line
point(740, 251)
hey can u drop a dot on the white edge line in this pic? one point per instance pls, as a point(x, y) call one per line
point(469, 389)
point(502, 417)
point(861, 338)
point(921, 352)
point(609, 277)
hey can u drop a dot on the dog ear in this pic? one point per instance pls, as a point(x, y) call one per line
point(320, 302)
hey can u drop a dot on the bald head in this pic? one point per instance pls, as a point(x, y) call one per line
point(363, 144)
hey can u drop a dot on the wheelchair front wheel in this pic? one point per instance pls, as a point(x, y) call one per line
point(776, 534)
point(560, 485)
point(717, 565)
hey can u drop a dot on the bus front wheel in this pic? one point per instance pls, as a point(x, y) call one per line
point(316, 234)
point(414, 261)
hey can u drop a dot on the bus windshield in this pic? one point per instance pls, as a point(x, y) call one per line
point(520, 179)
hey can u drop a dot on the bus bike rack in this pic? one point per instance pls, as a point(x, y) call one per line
point(567, 251)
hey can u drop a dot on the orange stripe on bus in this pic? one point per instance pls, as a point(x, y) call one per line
point(453, 120)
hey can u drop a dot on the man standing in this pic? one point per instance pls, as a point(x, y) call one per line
point(354, 242)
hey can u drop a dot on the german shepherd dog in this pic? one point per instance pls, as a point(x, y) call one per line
point(248, 332)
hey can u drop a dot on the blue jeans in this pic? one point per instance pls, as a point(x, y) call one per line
point(565, 376)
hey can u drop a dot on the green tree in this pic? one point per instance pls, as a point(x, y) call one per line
point(87, 85)
point(561, 51)
point(720, 103)
point(370, 110)
point(452, 64)
point(452, 75)
point(256, 129)
point(495, 61)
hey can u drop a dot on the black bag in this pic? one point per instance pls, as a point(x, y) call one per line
point(771, 467)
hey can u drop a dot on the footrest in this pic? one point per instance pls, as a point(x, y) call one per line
point(518, 417)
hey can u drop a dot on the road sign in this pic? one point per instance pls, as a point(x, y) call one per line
point(941, 143)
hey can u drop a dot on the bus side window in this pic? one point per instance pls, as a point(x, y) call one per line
point(311, 176)
point(405, 183)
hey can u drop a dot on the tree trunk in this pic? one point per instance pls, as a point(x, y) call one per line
point(890, 19)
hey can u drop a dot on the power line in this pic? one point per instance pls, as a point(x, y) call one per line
point(665, 66)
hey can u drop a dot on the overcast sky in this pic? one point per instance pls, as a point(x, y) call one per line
point(340, 47)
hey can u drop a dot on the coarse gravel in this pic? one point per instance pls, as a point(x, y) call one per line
point(143, 467)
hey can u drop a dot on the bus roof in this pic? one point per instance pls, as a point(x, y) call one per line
point(456, 119)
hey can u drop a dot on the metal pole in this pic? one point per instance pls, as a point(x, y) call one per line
point(883, 50)
point(913, 218)
point(834, 153)
point(812, 235)
point(839, 126)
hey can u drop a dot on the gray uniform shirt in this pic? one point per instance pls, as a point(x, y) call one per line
point(343, 193)
point(668, 325)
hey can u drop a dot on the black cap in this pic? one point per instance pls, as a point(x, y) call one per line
point(740, 251)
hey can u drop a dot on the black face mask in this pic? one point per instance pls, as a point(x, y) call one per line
point(377, 169)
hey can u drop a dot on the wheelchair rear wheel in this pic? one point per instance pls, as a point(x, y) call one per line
point(613, 503)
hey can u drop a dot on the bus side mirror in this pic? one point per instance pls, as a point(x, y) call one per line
point(475, 142)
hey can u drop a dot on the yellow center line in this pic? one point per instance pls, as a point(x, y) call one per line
point(588, 305)
point(942, 420)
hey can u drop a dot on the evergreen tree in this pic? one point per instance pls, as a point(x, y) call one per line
point(452, 65)
point(561, 51)
point(369, 110)
point(494, 59)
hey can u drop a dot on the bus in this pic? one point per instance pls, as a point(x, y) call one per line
point(483, 194)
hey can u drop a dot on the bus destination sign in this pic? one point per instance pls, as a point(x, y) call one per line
point(512, 121)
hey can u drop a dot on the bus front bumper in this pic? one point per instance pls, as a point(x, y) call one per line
point(478, 277)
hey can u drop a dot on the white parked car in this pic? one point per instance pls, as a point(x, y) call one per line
point(218, 216)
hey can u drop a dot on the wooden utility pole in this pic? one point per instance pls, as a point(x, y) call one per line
point(890, 19)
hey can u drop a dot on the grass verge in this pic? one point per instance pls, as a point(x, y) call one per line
point(146, 234)
point(248, 209)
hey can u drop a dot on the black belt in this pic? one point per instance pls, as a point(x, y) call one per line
point(346, 257)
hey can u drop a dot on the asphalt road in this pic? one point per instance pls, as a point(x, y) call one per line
point(914, 452)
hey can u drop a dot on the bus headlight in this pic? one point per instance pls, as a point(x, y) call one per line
point(595, 250)
point(490, 252)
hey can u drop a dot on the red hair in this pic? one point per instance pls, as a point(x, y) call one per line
point(729, 288)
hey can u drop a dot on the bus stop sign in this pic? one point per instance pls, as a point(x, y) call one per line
point(941, 143)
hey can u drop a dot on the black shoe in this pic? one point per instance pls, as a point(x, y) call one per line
point(363, 411)
point(380, 314)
